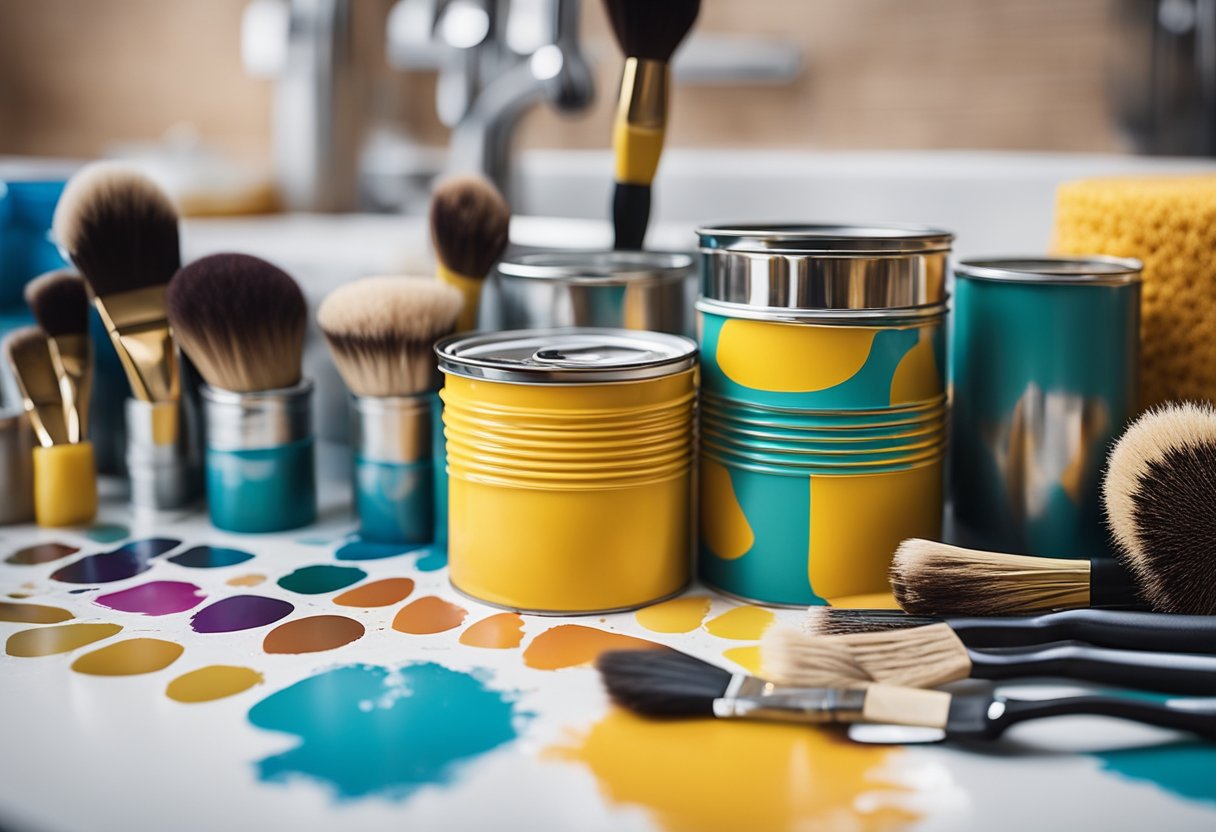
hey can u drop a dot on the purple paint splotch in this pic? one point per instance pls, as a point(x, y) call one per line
point(240, 612)
point(154, 598)
point(124, 562)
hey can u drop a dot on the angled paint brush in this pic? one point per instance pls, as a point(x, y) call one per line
point(470, 222)
point(60, 303)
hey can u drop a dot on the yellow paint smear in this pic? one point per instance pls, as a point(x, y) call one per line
point(916, 378)
point(679, 615)
point(709, 775)
point(741, 623)
point(571, 645)
point(501, 632)
point(246, 580)
point(32, 613)
point(811, 358)
point(746, 657)
point(724, 526)
point(129, 658)
point(48, 641)
point(212, 682)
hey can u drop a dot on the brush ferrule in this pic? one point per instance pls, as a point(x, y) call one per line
point(643, 101)
point(259, 419)
point(392, 429)
point(162, 460)
point(393, 478)
point(72, 356)
point(748, 697)
point(140, 331)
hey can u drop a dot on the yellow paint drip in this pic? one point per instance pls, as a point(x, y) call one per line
point(709, 775)
point(724, 526)
point(129, 658)
point(741, 623)
point(818, 357)
point(746, 657)
point(916, 378)
point(212, 682)
point(679, 615)
point(48, 641)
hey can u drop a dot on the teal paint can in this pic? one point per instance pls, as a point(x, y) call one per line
point(393, 472)
point(1044, 362)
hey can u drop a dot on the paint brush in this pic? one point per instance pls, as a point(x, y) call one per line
point(60, 303)
point(65, 475)
point(668, 684)
point(935, 655)
point(469, 229)
point(648, 34)
point(1120, 629)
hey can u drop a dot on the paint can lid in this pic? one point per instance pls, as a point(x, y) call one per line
point(1090, 270)
point(826, 239)
point(599, 268)
point(565, 356)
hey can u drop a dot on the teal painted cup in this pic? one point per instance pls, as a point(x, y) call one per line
point(393, 471)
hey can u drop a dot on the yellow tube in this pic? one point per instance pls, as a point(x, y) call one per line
point(470, 290)
point(65, 485)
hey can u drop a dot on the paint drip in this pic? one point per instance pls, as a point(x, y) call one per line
point(50, 641)
point(679, 615)
point(240, 612)
point(741, 623)
point(124, 562)
point(429, 614)
point(210, 557)
point(216, 681)
point(129, 658)
point(381, 593)
point(32, 613)
point(322, 578)
point(571, 645)
point(313, 634)
point(502, 631)
point(41, 553)
point(154, 598)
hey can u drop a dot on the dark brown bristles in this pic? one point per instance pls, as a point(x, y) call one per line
point(651, 29)
point(469, 225)
point(832, 621)
point(60, 303)
point(241, 320)
point(662, 683)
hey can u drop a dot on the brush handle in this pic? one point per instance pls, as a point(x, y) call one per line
point(1119, 629)
point(630, 215)
point(1165, 672)
point(1160, 714)
point(1111, 585)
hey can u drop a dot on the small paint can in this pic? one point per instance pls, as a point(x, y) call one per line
point(823, 422)
point(16, 467)
point(260, 458)
point(1044, 364)
point(393, 477)
point(570, 459)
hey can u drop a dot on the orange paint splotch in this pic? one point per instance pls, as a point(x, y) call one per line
point(741, 623)
point(429, 614)
point(679, 615)
point(502, 631)
point(313, 634)
point(571, 645)
point(246, 580)
point(377, 593)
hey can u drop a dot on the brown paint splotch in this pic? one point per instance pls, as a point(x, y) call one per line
point(377, 593)
point(216, 681)
point(429, 614)
point(571, 645)
point(50, 641)
point(314, 634)
point(32, 613)
point(129, 658)
point(41, 553)
point(502, 631)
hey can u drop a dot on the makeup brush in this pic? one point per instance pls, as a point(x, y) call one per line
point(65, 476)
point(241, 320)
point(931, 578)
point(668, 684)
point(1119, 629)
point(935, 655)
point(648, 34)
point(60, 303)
point(1159, 491)
point(469, 229)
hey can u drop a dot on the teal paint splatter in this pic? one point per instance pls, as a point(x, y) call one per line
point(432, 558)
point(1183, 769)
point(315, 580)
point(210, 557)
point(368, 730)
point(107, 533)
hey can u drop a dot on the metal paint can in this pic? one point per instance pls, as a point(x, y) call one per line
point(1044, 367)
point(393, 477)
point(569, 458)
point(644, 290)
point(824, 407)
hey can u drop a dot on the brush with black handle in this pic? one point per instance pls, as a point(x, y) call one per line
point(668, 684)
point(648, 33)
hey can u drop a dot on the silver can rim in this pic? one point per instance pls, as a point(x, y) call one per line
point(595, 267)
point(1084, 270)
point(831, 239)
point(829, 317)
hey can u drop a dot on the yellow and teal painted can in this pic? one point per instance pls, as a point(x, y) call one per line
point(823, 421)
point(1044, 366)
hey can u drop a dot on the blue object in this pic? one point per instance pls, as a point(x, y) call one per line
point(26, 251)
point(439, 470)
point(393, 501)
point(262, 489)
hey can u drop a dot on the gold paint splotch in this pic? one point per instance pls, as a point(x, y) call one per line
point(679, 615)
point(916, 379)
point(705, 775)
point(502, 631)
point(213, 682)
point(129, 658)
point(429, 614)
point(571, 645)
point(746, 657)
point(741, 623)
point(820, 356)
point(32, 613)
point(246, 580)
point(49, 641)
point(724, 526)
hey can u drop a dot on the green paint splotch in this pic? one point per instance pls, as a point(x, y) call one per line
point(1182, 769)
point(369, 730)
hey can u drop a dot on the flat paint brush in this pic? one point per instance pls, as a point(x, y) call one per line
point(667, 684)
point(935, 655)
point(648, 33)
point(470, 224)
point(60, 303)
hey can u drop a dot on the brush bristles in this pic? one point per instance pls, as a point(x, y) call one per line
point(662, 683)
point(791, 657)
point(119, 228)
point(469, 225)
point(29, 356)
point(930, 578)
point(651, 29)
point(382, 332)
point(60, 303)
point(1159, 490)
point(830, 621)
point(241, 320)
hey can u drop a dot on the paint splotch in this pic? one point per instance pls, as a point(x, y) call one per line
point(252, 579)
point(1184, 769)
point(380, 593)
point(321, 578)
point(240, 612)
point(154, 598)
point(741, 623)
point(746, 657)
point(32, 613)
point(210, 557)
point(127, 561)
point(368, 730)
point(216, 681)
point(129, 658)
point(107, 532)
point(571, 645)
point(499, 632)
point(63, 638)
point(679, 615)
point(41, 553)
point(430, 558)
point(313, 634)
point(429, 614)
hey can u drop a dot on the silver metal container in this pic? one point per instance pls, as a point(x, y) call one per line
point(16, 468)
point(643, 290)
point(162, 460)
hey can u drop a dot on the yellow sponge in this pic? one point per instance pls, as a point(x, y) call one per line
point(1169, 223)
